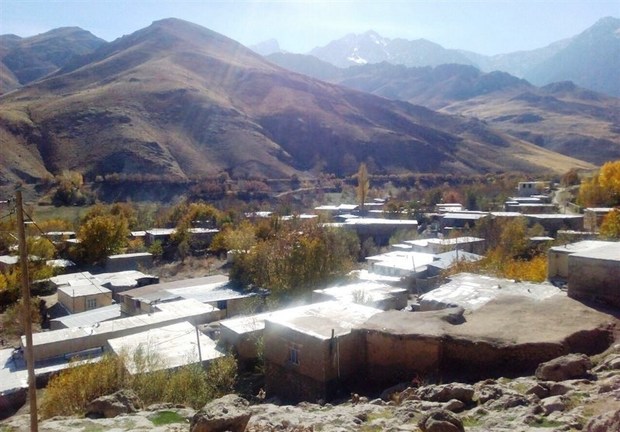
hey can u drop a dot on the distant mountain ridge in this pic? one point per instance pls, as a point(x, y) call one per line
point(510, 104)
point(178, 101)
point(370, 47)
point(24, 60)
point(591, 59)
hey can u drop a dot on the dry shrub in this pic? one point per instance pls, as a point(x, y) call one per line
point(71, 390)
point(68, 392)
point(498, 265)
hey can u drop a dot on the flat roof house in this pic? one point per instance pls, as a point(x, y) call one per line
point(82, 298)
point(557, 257)
point(594, 275)
point(166, 347)
point(377, 295)
point(311, 353)
point(67, 342)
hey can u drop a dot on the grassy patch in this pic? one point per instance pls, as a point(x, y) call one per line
point(546, 423)
point(166, 417)
point(471, 421)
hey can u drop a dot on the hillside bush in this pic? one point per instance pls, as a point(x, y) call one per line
point(69, 392)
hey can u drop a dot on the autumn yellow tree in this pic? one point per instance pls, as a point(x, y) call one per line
point(101, 236)
point(610, 226)
point(363, 185)
point(603, 189)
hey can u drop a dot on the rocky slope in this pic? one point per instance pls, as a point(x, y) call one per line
point(567, 394)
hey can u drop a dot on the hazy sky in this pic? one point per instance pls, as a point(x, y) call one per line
point(484, 26)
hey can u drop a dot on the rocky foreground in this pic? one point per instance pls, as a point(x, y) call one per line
point(570, 393)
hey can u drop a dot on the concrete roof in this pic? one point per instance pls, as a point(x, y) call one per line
point(380, 221)
point(84, 290)
point(554, 216)
point(9, 259)
point(581, 246)
point(320, 319)
point(184, 283)
point(465, 216)
point(406, 260)
point(447, 259)
point(471, 291)
point(168, 347)
point(91, 317)
point(599, 209)
point(365, 275)
point(340, 207)
point(127, 278)
point(133, 322)
point(444, 241)
point(247, 324)
point(130, 255)
point(608, 252)
point(506, 214)
point(184, 306)
point(506, 320)
point(372, 291)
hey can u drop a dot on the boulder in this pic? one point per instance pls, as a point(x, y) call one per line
point(441, 421)
point(121, 402)
point(539, 390)
point(553, 404)
point(447, 392)
point(563, 368)
point(228, 413)
point(487, 392)
point(606, 422)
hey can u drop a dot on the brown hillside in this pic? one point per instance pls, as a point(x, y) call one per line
point(179, 101)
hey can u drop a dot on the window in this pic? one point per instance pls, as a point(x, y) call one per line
point(293, 354)
point(91, 303)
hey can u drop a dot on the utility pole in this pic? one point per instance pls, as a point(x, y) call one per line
point(23, 260)
point(198, 342)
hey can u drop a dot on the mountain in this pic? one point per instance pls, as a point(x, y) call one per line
point(370, 47)
point(590, 59)
point(267, 47)
point(178, 101)
point(561, 117)
point(24, 60)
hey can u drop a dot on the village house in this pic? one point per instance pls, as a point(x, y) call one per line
point(213, 290)
point(311, 353)
point(594, 274)
point(379, 229)
point(529, 188)
point(593, 217)
point(70, 341)
point(115, 281)
point(377, 295)
point(554, 222)
point(474, 245)
point(557, 257)
point(82, 298)
point(87, 318)
point(400, 263)
point(460, 220)
point(130, 261)
point(242, 335)
point(166, 347)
